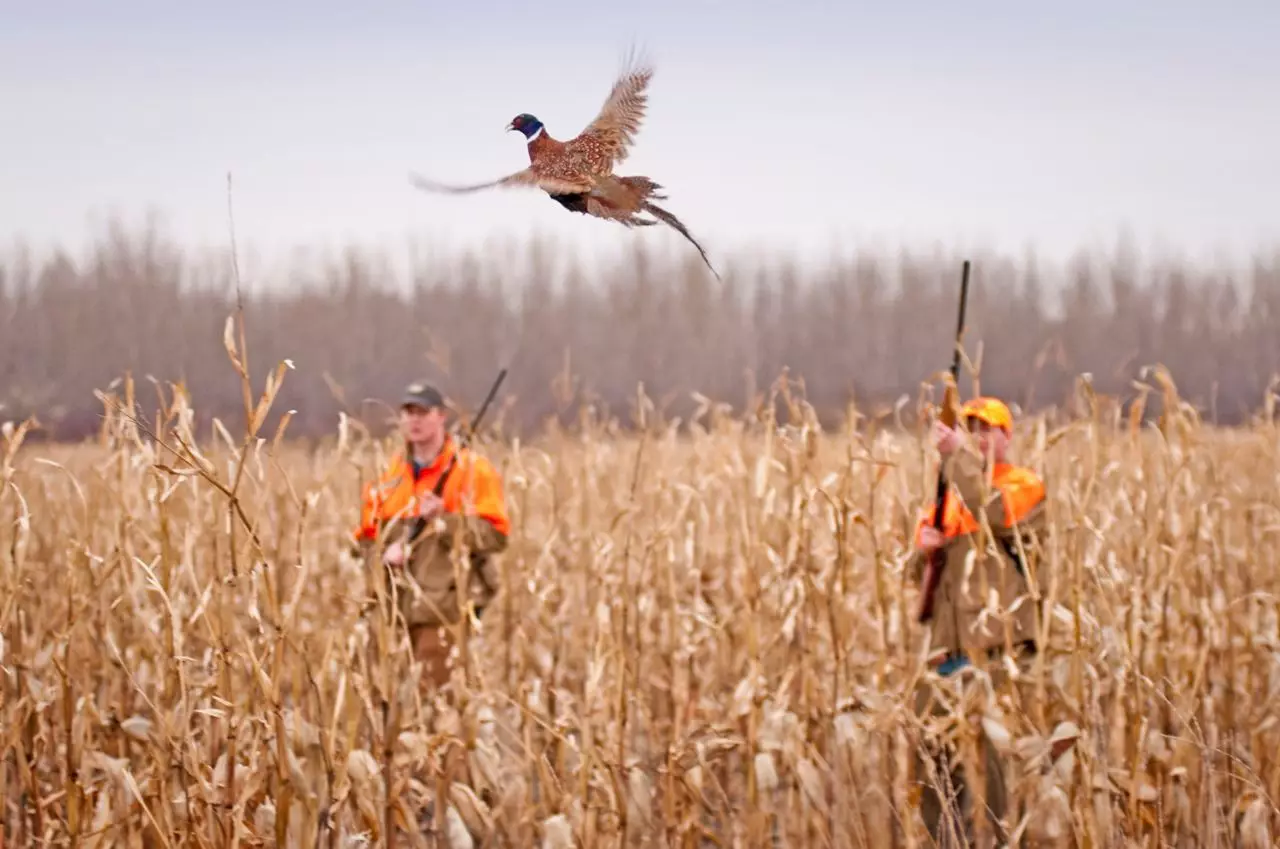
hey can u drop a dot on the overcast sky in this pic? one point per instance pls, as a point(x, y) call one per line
point(793, 126)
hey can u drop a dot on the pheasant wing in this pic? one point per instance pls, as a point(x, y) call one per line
point(525, 179)
point(610, 135)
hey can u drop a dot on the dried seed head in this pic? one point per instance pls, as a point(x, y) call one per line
point(639, 798)
point(264, 820)
point(997, 733)
point(766, 772)
point(137, 727)
point(362, 767)
point(473, 812)
point(556, 833)
point(1255, 824)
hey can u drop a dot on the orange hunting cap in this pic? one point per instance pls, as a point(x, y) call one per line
point(993, 411)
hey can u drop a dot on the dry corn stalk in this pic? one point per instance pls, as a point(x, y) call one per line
point(704, 633)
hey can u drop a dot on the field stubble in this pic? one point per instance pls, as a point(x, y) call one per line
point(704, 629)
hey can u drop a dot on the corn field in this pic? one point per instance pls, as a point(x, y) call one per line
point(704, 635)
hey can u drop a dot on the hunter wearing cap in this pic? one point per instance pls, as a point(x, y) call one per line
point(979, 613)
point(458, 497)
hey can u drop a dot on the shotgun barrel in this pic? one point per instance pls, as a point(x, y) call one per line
point(937, 558)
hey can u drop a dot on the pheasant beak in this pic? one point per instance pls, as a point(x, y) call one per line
point(509, 127)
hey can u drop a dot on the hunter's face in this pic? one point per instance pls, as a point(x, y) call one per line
point(420, 424)
point(992, 441)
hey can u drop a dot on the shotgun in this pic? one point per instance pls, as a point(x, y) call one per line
point(947, 415)
point(419, 523)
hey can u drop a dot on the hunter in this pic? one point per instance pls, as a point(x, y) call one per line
point(458, 495)
point(999, 516)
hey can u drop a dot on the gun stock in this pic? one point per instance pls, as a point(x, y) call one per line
point(948, 415)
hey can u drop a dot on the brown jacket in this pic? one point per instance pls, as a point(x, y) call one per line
point(990, 604)
point(454, 548)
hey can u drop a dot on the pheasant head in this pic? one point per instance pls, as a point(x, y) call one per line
point(527, 124)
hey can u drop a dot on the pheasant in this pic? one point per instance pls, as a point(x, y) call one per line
point(578, 173)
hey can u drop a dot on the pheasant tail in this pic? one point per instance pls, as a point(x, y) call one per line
point(675, 224)
point(622, 198)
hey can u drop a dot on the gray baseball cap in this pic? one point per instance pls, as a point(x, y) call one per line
point(422, 394)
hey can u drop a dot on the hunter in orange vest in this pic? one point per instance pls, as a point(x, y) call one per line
point(456, 496)
point(995, 512)
point(1014, 505)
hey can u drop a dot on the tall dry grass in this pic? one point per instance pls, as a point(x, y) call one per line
point(704, 638)
point(868, 325)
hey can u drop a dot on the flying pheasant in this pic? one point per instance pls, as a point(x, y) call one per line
point(578, 173)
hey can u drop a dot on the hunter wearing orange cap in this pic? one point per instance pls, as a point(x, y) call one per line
point(457, 496)
point(981, 609)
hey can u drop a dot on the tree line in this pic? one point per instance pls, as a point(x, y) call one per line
point(867, 327)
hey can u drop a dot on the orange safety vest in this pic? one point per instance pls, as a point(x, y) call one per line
point(473, 484)
point(1020, 487)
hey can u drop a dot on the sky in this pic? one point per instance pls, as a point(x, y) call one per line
point(801, 127)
